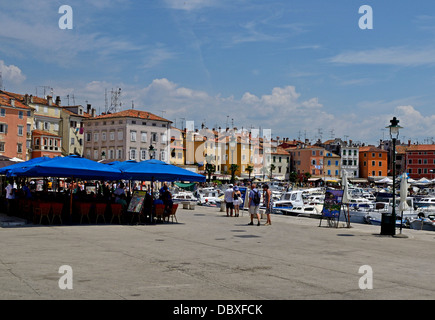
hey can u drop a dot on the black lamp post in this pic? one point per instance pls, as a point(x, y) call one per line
point(152, 152)
point(388, 223)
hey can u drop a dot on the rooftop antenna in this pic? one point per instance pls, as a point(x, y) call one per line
point(106, 102)
point(115, 105)
point(132, 104)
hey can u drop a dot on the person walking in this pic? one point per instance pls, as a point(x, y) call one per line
point(237, 196)
point(228, 197)
point(254, 204)
point(267, 201)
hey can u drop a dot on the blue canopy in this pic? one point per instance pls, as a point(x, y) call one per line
point(17, 168)
point(122, 165)
point(71, 167)
point(159, 170)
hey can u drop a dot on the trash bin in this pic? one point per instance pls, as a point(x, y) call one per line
point(222, 206)
point(388, 224)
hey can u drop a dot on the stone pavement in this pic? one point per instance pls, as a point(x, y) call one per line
point(208, 256)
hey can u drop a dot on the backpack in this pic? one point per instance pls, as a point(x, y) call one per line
point(257, 198)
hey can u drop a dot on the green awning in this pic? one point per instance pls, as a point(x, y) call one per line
point(186, 186)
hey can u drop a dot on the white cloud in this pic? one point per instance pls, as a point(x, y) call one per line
point(11, 73)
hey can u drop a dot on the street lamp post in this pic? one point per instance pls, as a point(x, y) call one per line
point(152, 152)
point(388, 223)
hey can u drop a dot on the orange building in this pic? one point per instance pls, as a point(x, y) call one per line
point(14, 129)
point(373, 162)
point(308, 159)
point(46, 144)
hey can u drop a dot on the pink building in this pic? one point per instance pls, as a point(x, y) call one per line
point(14, 127)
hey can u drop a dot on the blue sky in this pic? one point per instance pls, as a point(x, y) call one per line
point(300, 68)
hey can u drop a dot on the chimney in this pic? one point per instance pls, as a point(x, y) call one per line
point(93, 112)
point(26, 99)
point(12, 102)
point(409, 143)
point(88, 108)
point(49, 100)
point(31, 98)
point(58, 101)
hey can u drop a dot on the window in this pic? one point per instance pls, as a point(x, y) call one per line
point(3, 128)
point(20, 114)
point(2, 147)
point(143, 136)
point(373, 163)
point(120, 135)
point(133, 136)
point(96, 137)
point(103, 136)
point(112, 136)
point(119, 154)
point(111, 154)
point(163, 137)
point(20, 130)
point(2, 112)
point(96, 154)
point(380, 173)
point(88, 137)
point(143, 154)
point(380, 163)
point(72, 141)
point(154, 137)
point(19, 147)
point(132, 154)
point(46, 125)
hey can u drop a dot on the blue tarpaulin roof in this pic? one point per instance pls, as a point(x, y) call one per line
point(76, 167)
point(159, 170)
point(69, 167)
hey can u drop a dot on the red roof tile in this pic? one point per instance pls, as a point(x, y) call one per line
point(131, 113)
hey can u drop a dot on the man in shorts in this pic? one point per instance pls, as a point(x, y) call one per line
point(228, 197)
point(254, 206)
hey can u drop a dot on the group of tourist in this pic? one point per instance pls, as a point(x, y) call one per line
point(233, 199)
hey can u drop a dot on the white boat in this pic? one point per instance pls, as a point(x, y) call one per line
point(208, 196)
point(296, 198)
point(426, 202)
point(384, 207)
point(184, 197)
point(306, 210)
point(427, 224)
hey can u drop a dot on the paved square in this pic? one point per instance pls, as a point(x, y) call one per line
point(210, 256)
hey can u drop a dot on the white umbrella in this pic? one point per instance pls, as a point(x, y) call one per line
point(345, 187)
point(403, 205)
point(403, 193)
point(346, 197)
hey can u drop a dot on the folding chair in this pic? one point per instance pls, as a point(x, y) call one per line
point(173, 211)
point(85, 208)
point(56, 209)
point(100, 210)
point(116, 211)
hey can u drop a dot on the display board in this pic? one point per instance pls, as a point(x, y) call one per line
point(244, 196)
point(137, 201)
point(332, 205)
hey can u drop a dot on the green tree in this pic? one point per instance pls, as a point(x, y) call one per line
point(233, 169)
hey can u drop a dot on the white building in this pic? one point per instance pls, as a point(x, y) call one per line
point(127, 135)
